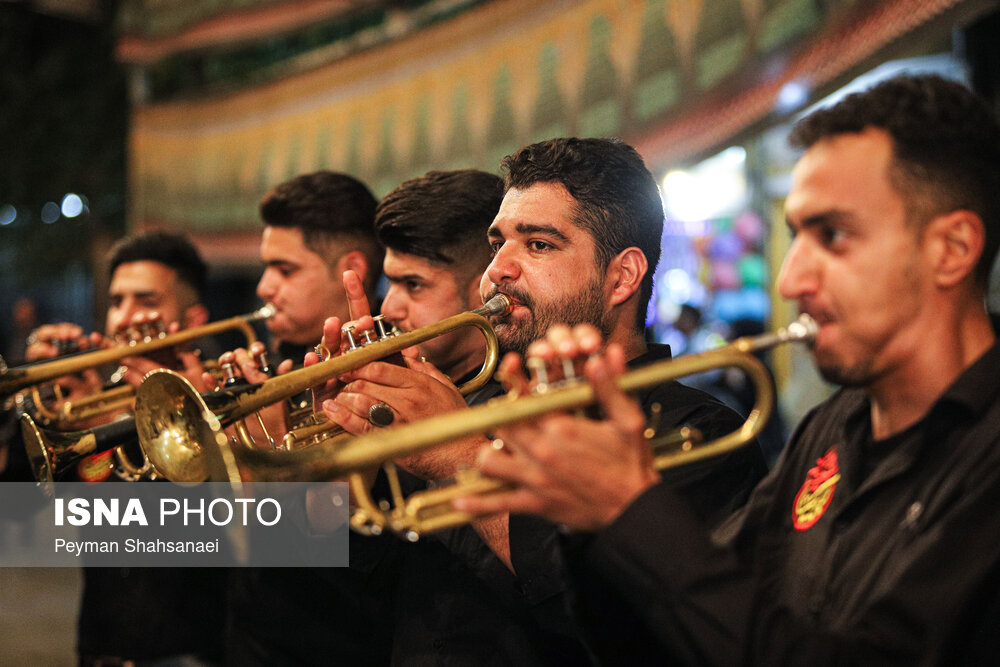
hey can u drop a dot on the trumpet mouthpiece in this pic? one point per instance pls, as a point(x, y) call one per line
point(804, 328)
point(498, 305)
point(266, 311)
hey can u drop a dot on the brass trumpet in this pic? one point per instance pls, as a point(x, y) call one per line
point(51, 453)
point(172, 417)
point(13, 380)
point(430, 510)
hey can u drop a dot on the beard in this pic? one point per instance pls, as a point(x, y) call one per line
point(859, 376)
point(585, 307)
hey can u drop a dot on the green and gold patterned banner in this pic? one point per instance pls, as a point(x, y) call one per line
point(466, 92)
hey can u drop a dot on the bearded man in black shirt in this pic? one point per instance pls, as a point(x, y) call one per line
point(874, 541)
point(576, 239)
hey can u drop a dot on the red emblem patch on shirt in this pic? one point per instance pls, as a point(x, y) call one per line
point(815, 495)
point(96, 468)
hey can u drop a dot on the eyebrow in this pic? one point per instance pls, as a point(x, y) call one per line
point(280, 262)
point(138, 295)
point(397, 278)
point(833, 216)
point(526, 228)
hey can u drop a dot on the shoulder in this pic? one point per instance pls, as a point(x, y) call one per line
point(683, 405)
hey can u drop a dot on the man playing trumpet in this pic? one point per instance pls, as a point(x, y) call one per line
point(875, 539)
point(129, 614)
point(576, 240)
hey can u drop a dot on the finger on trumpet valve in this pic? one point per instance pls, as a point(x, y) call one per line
point(227, 362)
point(66, 346)
point(259, 353)
point(538, 373)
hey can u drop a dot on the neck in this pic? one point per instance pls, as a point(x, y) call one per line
point(632, 342)
point(945, 347)
point(463, 367)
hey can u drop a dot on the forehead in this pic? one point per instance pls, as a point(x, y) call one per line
point(547, 204)
point(143, 276)
point(847, 171)
point(398, 264)
point(282, 241)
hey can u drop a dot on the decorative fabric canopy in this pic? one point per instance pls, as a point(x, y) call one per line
point(675, 77)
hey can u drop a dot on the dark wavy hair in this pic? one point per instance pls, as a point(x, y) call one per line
point(945, 143)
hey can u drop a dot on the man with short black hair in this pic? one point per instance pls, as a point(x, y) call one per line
point(316, 226)
point(432, 229)
point(138, 614)
point(874, 541)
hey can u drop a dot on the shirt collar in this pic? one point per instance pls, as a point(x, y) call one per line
point(977, 385)
point(654, 352)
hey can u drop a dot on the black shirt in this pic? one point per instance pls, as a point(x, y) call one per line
point(852, 551)
point(314, 616)
point(458, 604)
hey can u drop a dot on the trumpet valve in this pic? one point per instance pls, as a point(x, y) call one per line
point(227, 362)
point(380, 326)
point(158, 327)
point(569, 370)
point(141, 331)
point(259, 353)
point(538, 373)
point(349, 332)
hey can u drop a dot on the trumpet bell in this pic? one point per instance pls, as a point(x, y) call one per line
point(176, 426)
point(39, 457)
point(51, 453)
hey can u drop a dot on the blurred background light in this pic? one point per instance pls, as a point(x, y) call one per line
point(715, 187)
point(8, 214)
point(792, 96)
point(72, 205)
point(50, 212)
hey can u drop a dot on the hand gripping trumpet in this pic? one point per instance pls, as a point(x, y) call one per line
point(13, 380)
point(430, 510)
point(173, 420)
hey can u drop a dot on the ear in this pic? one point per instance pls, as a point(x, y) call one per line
point(195, 316)
point(475, 298)
point(354, 261)
point(955, 242)
point(625, 274)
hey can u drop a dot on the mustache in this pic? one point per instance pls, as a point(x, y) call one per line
point(513, 293)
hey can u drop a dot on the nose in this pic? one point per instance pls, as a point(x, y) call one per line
point(120, 316)
point(504, 267)
point(799, 275)
point(267, 286)
point(393, 306)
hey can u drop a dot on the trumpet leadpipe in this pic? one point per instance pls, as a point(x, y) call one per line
point(13, 380)
point(366, 451)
